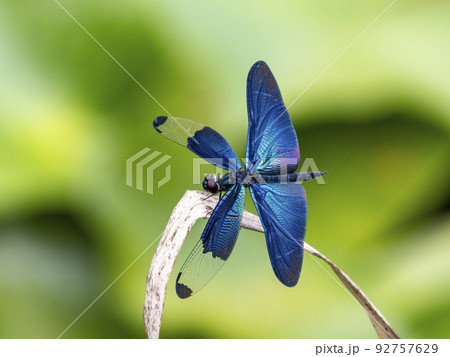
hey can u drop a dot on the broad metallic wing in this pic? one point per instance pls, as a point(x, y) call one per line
point(200, 139)
point(216, 244)
point(271, 143)
point(282, 209)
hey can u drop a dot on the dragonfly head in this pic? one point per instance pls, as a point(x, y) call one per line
point(210, 184)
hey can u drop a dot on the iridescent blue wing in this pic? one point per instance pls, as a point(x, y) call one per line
point(200, 139)
point(216, 244)
point(282, 209)
point(271, 143)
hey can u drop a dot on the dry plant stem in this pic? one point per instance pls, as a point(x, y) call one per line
point(192, 206)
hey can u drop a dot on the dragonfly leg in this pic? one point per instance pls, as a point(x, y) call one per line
point(205, 198)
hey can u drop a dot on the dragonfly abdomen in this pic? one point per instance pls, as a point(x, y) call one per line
point(293, 177)
point(245, 178)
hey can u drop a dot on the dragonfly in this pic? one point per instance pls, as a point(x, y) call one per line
point(272, 157)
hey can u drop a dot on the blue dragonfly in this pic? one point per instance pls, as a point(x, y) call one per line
point(272, 157)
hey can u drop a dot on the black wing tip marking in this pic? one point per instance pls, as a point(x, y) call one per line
point(158, 121)
point(182, 290)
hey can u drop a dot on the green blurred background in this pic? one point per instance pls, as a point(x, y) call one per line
point(378, 121)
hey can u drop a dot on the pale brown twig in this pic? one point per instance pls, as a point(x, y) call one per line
point(192, 206)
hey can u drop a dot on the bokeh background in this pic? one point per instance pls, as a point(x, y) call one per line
point(378, 121)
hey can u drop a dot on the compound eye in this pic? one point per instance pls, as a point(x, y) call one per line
point(211, 185)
